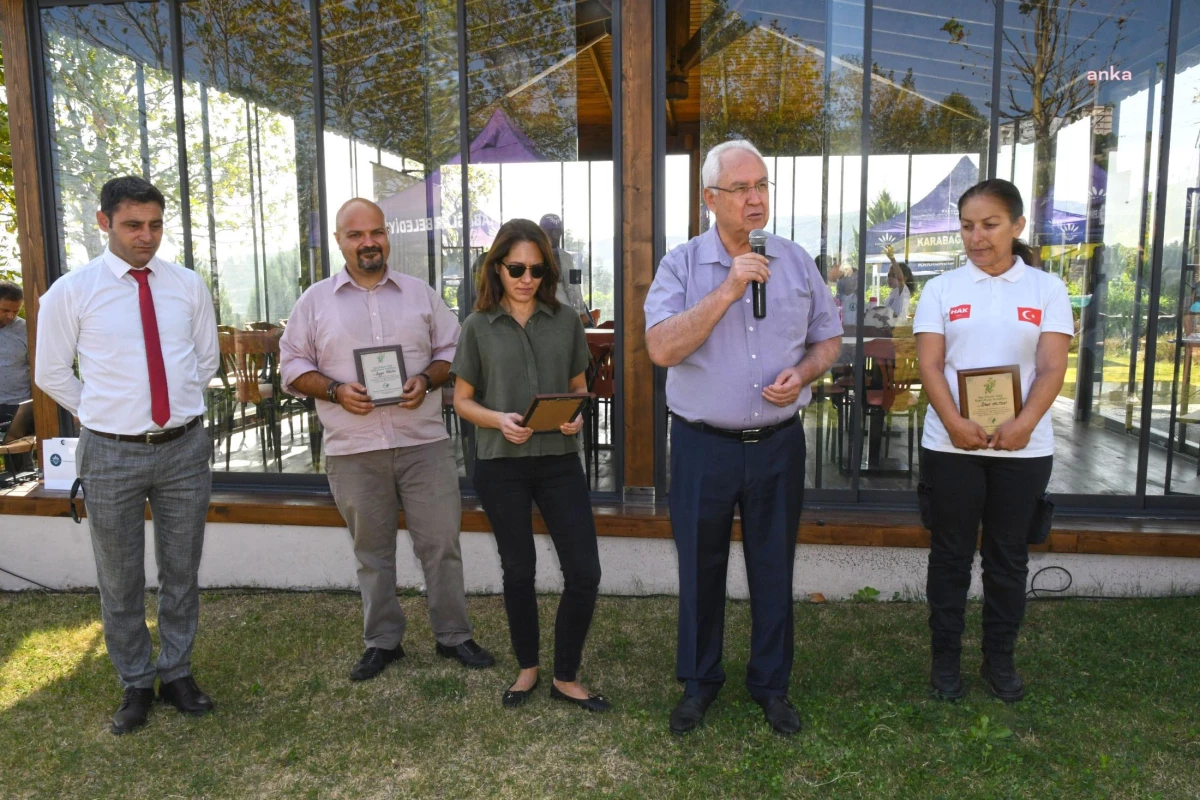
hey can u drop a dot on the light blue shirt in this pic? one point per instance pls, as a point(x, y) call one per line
point(721, 383)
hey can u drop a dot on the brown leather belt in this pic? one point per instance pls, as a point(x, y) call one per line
point(151, 437)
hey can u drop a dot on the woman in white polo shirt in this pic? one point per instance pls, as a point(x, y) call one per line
point(994, 311)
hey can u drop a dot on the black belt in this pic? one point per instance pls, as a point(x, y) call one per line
point(151, 437)
point(751, 435)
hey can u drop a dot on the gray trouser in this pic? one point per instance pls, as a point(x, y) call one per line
point(118, 478)
point(370, 489)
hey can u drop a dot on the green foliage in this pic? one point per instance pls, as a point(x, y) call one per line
point(8, 199)
point(883, 208)
point(867, 594)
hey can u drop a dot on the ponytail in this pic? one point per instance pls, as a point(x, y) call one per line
point(1024, 252)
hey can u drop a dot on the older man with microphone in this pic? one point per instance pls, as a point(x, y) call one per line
point(739, 365)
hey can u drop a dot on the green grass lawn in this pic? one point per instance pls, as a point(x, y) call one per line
point(1113, 709)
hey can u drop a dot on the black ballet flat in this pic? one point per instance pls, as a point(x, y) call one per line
point(593, 702)
point(512, 699)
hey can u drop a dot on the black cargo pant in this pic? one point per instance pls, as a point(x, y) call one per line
point(959, 493)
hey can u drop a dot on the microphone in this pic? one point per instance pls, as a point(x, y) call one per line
point(758, 244)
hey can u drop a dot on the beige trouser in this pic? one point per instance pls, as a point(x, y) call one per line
point(370, 488)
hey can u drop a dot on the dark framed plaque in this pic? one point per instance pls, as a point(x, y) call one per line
point(990, 396)
point(548, 412)
point(381, 371)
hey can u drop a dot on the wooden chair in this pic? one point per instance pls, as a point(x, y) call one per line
point(220, 395)
point(899, 374)
point(256, 359)
point(600, 383)
point(18, 457)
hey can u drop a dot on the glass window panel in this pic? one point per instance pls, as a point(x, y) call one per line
point(112, 113)
point(539, 75)
point(788, 78)
point(1078, 138)
point(248, 104)
point(930, 91)
point(392, 136)
point(1176, 392)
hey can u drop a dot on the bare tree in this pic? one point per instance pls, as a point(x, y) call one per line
point(1049, 53)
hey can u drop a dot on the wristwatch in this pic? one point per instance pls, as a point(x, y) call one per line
point(331, 391)
point(428, 381)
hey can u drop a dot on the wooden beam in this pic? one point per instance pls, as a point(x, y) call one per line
point(18, 80)
point(637, 235)
point(601, 76)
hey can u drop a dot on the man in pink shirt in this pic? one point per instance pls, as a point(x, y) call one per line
point(382, 457)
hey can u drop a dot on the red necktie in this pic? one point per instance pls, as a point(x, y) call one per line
point(160, 404)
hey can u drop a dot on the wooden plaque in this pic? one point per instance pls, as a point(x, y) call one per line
point(990, 396)
point(548, 412)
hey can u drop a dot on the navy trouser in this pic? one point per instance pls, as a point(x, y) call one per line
point(967, 492)
point(711, 475)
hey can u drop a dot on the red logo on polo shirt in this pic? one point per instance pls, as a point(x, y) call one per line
point(1033, 315)
point(960, 312)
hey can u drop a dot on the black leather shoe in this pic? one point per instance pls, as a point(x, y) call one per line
point(373, 661)
point(468, 653)
point(688, 715)
point(186, 696)
point(513, 698)
point(593, 702)
point(1001, 677)
point(134, 708)
point(780, 713)
point(945, 677)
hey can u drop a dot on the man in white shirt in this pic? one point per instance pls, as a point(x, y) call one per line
point(145, 335)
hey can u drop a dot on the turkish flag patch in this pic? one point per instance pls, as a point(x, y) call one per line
point(1033, 315)
point(960, 312)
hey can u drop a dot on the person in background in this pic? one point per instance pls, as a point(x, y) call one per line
point(568, 293)
point(14, 352)
point(847, 293)
point(520, 341)
point(145, 335)
point(735, 386)
point(993, 311)
point(900, 281)
point(379, 458)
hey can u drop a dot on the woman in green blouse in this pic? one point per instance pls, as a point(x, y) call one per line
point(520, 341)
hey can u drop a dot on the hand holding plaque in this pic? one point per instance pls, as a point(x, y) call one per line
point(990, 396)
point(381, 370)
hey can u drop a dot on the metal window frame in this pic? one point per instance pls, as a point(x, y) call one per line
point(1105, 505)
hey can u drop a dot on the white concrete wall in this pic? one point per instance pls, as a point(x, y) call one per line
point(57, 552)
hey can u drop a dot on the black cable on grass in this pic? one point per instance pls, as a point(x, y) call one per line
point(1059, 593)
point(27, 580)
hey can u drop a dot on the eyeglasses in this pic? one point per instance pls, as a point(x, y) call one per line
point(741, 192)
point(516, 271)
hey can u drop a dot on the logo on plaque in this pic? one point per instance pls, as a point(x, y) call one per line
point(56, 460)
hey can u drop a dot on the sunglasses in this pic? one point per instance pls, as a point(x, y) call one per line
point(516, 271)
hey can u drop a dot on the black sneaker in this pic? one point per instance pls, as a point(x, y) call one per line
point(373, 662)
point(945, 677)
point(1001, 677)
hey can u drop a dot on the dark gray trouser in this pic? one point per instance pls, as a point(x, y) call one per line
point(118, 478)
point(369, 489)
